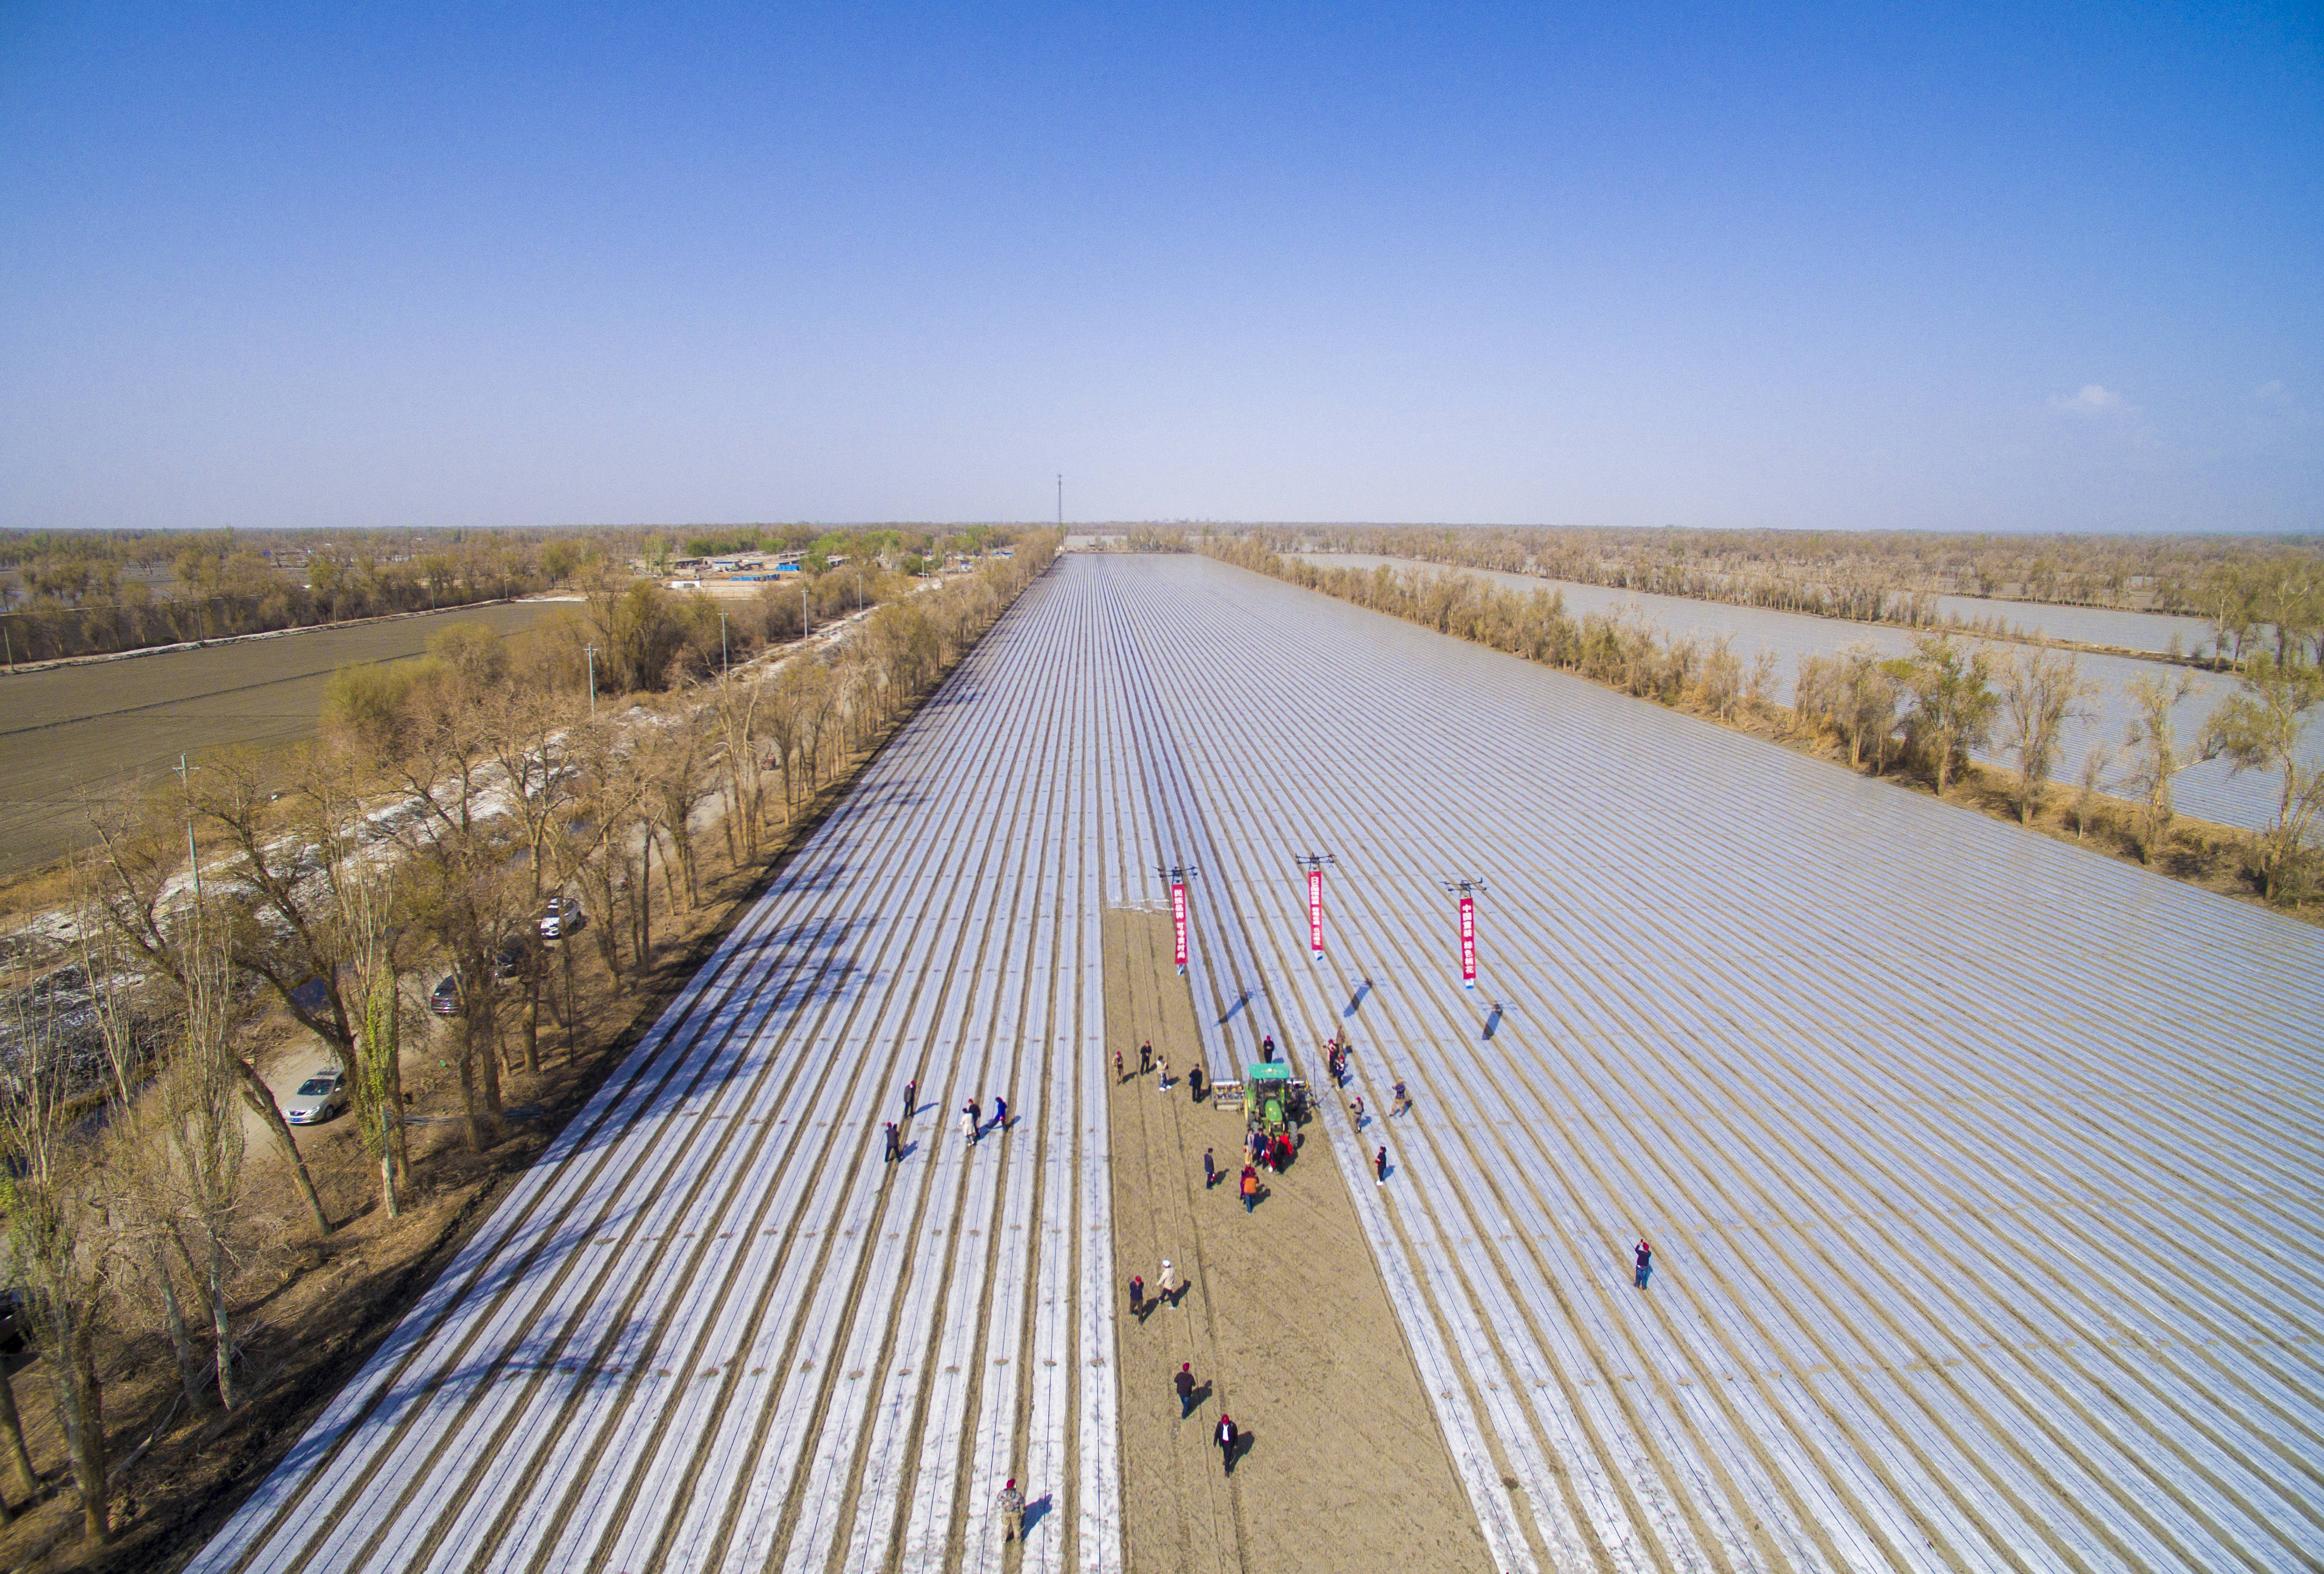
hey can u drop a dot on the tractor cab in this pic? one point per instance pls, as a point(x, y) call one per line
point(1276, 1099)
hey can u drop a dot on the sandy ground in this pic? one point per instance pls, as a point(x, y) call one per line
point(1284, 1321)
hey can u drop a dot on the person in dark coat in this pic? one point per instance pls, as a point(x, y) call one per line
point(895, 1147)
point(1210, 1169)
point(911, 1096)
point(1184, 1382)
point(1646, 1262)
point(1380, 1168)
point(1137, 1294)
point(1227, 1436)
point(1145, 1057)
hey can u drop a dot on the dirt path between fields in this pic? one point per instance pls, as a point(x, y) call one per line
point(1284, 1321)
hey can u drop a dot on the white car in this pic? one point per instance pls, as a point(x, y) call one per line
point(561, 917)
point(318, 1098)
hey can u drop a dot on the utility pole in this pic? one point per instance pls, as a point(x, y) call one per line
point(193, 860)
point(592, 651)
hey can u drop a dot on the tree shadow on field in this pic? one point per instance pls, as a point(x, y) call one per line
point(1356, 1000)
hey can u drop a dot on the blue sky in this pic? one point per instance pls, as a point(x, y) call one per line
point(2022, 268)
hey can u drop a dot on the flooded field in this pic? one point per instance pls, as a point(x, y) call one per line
point(2206, 790)
point(73, 733)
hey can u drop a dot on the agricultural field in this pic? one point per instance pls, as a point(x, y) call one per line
point(2207, 789)
point(1980, 1171)
point(68, 734)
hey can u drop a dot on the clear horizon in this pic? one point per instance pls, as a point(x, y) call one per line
point(2054, 270)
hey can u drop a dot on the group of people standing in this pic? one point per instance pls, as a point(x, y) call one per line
point(972, 1121)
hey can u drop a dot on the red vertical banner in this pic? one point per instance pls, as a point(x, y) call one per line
point(1178, 919)
point(1469, 942)
point(1315, 911)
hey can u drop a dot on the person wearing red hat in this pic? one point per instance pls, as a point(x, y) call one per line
point(1013, 1511)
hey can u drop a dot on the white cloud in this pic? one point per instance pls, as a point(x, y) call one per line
point(2093, 403)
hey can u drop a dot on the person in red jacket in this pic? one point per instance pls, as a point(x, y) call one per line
point(1645, 1261)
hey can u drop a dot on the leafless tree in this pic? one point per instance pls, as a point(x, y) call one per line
point(2090, 786)
point(54, 1234)
point(138, 885)
point(140, 1181)
point(2041, 691)
point(1720, 684)
point(2259, 728)
point(1952, 703)
point(2155, 761)
point(198, 1088)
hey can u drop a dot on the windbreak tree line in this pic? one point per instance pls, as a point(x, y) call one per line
point(419, 834)
point(82, 593)
point(1925, 713)
point(2250, 591)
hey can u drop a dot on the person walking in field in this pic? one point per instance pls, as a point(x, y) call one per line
point(1000, 1111)
point(895, 1147)
point(968, 1127)
point(1117, 1066)
point(1266, 1049)
point(1250, 1188)
point(1210, 1169)
point(1380, 1168)
point(1184, 1382)
point(1137, 1294)
point(1169, 1285)
point(1403, 1100)
point(1227, 1436)
point(911, 1096)
point(1164, 1085)
point(1646, 1262)
point(1145, 1057)
point(1358, 1107)
point(1013, 1511)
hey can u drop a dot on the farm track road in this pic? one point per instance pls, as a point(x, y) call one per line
point(1981, 1172)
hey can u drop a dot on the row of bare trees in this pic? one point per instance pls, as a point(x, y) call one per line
point(2247, 586)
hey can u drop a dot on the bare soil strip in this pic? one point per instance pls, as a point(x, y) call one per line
point(1286, 1323)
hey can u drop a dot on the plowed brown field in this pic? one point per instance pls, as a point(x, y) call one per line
point(71, 734)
